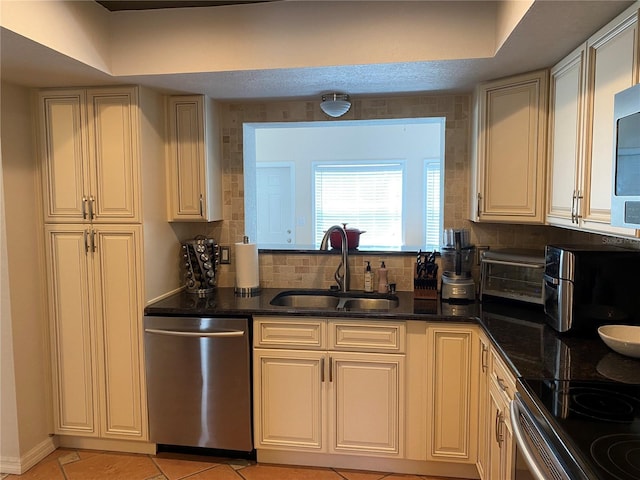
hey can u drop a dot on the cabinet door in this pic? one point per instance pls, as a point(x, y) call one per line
point(566, 114)
point(612, 67)
point(511, 148)
point(367, 403)
point(119, 303)
point(63, 155)
point(71, 330)
point(114, 155)
point(289, 399)
point(194, 174)
point(484, 414)
point(453, 409)
point(501, 447)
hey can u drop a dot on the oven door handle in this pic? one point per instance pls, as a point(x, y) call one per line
point(516, 408)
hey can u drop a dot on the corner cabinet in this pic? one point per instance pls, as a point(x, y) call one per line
point(339, 392)
point(95, 303)
point(509, 139)
point(90, 169)
point(453, 382)
point(194, 173)
point(581, 142)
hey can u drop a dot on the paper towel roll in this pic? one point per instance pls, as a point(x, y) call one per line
point(247, 270)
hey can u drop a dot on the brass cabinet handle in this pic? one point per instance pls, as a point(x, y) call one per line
point(85, 234)
point(201, 206)
point(485, 351)
point(330, 369)
point(92, 213)
point(322, 369)
point(93, 241)
point(499, 427)
point(84, 207)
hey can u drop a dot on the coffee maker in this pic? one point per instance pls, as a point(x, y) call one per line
point(457, 257)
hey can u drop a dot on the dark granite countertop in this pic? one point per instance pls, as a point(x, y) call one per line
point(527, 344)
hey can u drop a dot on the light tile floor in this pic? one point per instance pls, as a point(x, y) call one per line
point(69, 464)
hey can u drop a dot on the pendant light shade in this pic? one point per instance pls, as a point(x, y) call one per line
point(335, 104)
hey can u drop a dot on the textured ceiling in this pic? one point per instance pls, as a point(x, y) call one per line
point(547, 33)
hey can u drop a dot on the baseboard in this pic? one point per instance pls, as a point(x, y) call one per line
point(19, 465)
point(107, 444)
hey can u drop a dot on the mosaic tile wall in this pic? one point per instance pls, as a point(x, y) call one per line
point(290, 270)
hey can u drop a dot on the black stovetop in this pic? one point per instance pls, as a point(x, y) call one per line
point(597, 421)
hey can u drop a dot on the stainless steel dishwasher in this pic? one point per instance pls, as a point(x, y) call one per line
point(199, 382)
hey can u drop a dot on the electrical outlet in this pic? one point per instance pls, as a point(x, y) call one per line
point(225, 255)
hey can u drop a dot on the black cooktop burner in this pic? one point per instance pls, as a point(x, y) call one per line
point(618, 455)
point(603, 405)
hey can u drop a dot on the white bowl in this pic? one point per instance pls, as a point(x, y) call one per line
point(624, 339)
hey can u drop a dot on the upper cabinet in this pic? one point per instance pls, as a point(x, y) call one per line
point(194, 176)
point(581, 129)
point(89, 151)
point(509, 151)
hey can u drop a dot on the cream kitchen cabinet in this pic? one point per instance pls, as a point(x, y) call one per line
point(500, 442)
point(452, 378)
point(581, 130)
point(329, 386)
point(194, 176)
point(509, 139)
point(484, 438)
point(89, 155)
point(95, 310)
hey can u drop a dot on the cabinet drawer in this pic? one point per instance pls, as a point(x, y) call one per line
point(287, 333)
point(502, 376)
point(362, 335)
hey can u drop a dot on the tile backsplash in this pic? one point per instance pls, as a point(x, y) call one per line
point(308, 270)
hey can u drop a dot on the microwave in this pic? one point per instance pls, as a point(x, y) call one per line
point(586, 286)
point(625, 193)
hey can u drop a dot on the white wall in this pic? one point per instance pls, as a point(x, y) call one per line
point(25, 393)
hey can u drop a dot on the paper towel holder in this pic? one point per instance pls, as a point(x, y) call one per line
point(246, 291)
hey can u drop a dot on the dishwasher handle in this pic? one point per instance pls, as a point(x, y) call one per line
point(179, 333)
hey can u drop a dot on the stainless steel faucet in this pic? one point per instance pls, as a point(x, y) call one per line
point(343, 280)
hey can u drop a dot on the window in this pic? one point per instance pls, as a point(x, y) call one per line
point(373, 192)
point(380, 176)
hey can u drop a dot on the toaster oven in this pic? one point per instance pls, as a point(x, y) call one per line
point(514, 274)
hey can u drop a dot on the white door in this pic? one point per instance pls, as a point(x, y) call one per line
point(275, 203)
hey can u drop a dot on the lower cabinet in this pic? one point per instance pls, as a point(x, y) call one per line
point(95, 307)
point(453, 412)
point(318, 398)
point(498, 441)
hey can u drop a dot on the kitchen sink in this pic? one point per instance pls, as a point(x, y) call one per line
point(328, 300)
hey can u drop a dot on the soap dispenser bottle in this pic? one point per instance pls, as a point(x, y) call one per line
point(368, 278)
point(383, 281)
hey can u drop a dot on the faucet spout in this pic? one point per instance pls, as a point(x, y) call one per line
point(341, 278)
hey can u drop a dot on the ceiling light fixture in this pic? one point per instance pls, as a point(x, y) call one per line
point(335, 104)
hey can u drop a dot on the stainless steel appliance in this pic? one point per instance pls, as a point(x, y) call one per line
point(457, 257)
point(625, 194)
point(590, 285)
point(199, 381)
point(514, 274)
